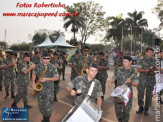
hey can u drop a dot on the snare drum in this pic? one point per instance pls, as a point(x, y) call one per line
point(119, 93)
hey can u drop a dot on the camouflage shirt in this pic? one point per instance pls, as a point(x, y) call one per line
point(81, 82)
point(9, 72)
point(73, 61)
point(56, 61)
point(145, 63)
point(22, 66)
point(123, 74)
point(102, 74)
point(51, 72)
point(36, 60)
point(1, 65)
point(80, 61)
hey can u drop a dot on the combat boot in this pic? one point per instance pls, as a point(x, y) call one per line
point(14, 105)
point(63, 78)
point(47, 119)
point(7, 94)
point(140, 110)
point(119, 120)
point(12, 95)
point(0, 88)
point(27, 106)
point(146, 111)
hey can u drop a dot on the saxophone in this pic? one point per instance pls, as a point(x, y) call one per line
point(38, 84)
point(83, 71)
point(117, 64)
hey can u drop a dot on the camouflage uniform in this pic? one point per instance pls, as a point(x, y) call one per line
point(120, 63)
point(80, 61)
point(56, 83)
point(146, 81)
point(45, 97)
point(73, 62)
point(81, 82)
point(22, 82)
point(102, 74)
point(9, 75)
point(123, 112)
point(63, 66)
point(1, 73)
point(35, 60)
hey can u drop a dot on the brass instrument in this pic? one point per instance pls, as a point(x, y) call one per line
point(30, 63)
point(96, 61)
point(83, 71)
point(151, 71)
point(117, 64)
point(15, 66)
point(39, 86)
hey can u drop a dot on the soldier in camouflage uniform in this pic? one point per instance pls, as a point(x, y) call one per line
point(45, 97)
point(65, 62)
point(146, 81)
point(2, 57)
point(72, 64)
point(56, 62)
point(9, 74)
point(23, 81)
point(118, 63)
point(102, 75)
point(36, 58)
point(83, 83)
point(123, 76)
point(81, 59)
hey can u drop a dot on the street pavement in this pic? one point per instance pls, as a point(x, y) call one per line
point(65, 103)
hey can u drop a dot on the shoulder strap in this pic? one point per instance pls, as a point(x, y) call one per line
point(91, 88)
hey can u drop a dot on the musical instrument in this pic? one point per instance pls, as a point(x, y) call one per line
point(83, 70)
point(88, 111)
point(121, 93)
point(117, 65)
point(151, 71)
point(96, 61)
point(39, 86)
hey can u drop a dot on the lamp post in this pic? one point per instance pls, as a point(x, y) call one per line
point(131, 39)
point(122, 41)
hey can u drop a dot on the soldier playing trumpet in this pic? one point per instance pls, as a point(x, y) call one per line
point(23, 80)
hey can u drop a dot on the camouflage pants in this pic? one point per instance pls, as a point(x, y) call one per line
point(1, 80)
point(56, 87)
point(22, 92)
point(148, 84)
point(123, 112)
point(63, 72)
point(45, 101)
point(103, 84)
point(7, 82)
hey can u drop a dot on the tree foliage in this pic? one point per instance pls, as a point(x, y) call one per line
point(21, 47)
point(92, 16)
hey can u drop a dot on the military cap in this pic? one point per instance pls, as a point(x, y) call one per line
point(101, 53)
point(11, 53)
point(77, 52)
point(93, 64)
point(45, 54)
point(37, 52)
point(58, 50)
point(127, 58)
point(54, 53)
point(86, 47)
point(26, 54)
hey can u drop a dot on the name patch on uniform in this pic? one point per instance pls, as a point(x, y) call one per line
point(14, 114)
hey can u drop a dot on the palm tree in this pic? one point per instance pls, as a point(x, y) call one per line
point(115, 32)
point(160, 15)
point(76, 22)
point(55, 34)
point(137, 22)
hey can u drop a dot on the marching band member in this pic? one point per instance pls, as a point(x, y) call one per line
point(123, 76)
point(83, 84)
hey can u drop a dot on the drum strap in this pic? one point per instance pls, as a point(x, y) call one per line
point(91, 88)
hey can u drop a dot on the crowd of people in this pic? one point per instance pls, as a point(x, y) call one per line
point(46, 68)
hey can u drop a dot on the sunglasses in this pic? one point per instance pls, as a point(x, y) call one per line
point(86, 50)
point(46, 58)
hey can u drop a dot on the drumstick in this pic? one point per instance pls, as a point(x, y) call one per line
point(128, 78)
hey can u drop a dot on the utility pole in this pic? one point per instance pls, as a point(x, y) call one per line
point(5, 34)
point(131, 39)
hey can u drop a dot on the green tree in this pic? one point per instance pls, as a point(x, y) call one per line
point(21, 47)
point(92, 16)
point(137, 22)
point(76, 22)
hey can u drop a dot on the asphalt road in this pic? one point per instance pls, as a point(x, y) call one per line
point(64, 104)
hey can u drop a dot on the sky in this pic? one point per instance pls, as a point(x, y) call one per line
point(18, 29)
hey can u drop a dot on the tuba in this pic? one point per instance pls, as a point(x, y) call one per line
point(38, 84)
point(83, 71)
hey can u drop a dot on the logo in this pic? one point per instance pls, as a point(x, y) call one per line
point(14, 114)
